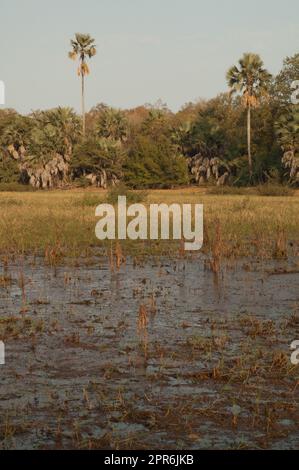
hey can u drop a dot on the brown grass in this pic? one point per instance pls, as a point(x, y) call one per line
point(62, 223)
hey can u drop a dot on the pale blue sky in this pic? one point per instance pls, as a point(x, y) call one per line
point(176, 50)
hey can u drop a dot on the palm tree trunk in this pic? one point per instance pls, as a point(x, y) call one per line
point(249, 140)
point(83, 103)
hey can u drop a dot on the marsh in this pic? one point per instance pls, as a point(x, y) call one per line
point(207, 367)
point(140, 344)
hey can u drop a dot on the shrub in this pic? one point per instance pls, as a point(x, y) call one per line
point(267, 189)
point(155, 164)
point(81, 182)
point(15, 187)
point(270, 189)
point(133, 197)
point(228, 190)
point(94, 155)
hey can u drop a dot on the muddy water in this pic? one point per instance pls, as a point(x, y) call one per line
point(159, 355)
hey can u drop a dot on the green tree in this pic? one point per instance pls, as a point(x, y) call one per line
point(41, 135)
point(282, 87)
point(112, 124)
point(83, 47)
point(287, 128)
point(157, 124)
point(154, 164)
point(53, 131)
point(94, 155)
point(218, 129)
point(252, 80)
point(181, 136)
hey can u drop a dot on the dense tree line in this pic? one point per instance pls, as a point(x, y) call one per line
point(248, 135)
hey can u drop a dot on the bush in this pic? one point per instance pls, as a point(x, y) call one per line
point(95, 155)
point(133, 197)
point(81, 182)
point(15, 187)
point(270, 189)
point(228, 190)
point(155, 164)
point(267, 189)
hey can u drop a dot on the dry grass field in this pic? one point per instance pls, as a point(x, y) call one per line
point(64, 221)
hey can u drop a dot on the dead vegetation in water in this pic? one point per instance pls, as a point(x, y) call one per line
point(280, 249)
point(138, 372)
point(217, 249)
point(142, 324)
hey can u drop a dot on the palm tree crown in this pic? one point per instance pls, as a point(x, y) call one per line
point(113, 124)
point(83, 48)
point(250, 79)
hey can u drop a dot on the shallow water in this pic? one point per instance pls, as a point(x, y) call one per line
point(209, 366)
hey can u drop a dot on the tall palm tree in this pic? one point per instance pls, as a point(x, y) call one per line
point(83, 48)
point(251, 79)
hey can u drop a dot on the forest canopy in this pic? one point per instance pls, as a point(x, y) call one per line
point(248, 135)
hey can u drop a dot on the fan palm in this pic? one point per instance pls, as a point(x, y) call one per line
point(112, 124)
point(251, 79)
point(83, 48)
point(56, 128)
point(181, 136)
point(287, 129)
